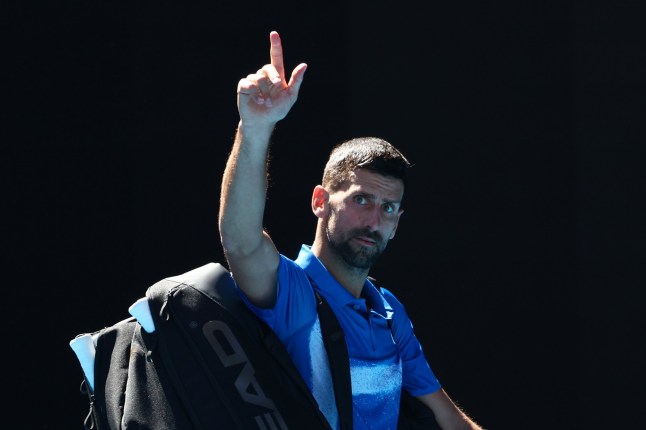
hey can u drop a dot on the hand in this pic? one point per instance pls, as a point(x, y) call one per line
point(265, 97)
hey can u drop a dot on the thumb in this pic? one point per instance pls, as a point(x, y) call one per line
point(296, 79)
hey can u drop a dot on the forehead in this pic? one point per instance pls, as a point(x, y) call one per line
point(365, 181)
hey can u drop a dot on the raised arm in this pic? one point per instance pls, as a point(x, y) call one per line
point(264, 98)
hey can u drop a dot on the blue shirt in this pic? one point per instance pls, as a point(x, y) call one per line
point(382, 362)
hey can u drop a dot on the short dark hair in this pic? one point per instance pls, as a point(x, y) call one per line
point(370, 153)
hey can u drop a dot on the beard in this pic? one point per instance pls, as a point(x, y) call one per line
point(355, 255)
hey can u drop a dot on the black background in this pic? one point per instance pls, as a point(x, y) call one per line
point(521, 251)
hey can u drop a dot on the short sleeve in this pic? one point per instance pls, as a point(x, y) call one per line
point(418, 377)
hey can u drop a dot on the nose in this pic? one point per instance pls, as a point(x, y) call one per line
point(372, 220)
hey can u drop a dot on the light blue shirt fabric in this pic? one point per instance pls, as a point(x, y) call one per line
point(380, 365)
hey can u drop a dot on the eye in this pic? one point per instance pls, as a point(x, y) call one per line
point(361, 200)
point(389, 208)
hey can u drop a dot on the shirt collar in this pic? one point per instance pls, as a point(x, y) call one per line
point(326, 282)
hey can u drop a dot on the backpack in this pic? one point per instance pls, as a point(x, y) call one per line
point(193, 356)
point(207, 362)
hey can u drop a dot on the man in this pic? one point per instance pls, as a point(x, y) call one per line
point(358, 207)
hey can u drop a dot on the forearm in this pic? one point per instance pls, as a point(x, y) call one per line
point(459, 422)
point(448, 415)
point(244, 188)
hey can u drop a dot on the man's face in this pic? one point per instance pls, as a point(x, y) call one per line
point(363, 216)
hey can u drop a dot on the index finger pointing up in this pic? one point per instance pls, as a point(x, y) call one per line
point(276, 54)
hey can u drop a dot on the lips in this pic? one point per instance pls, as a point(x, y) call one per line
point(366, 241)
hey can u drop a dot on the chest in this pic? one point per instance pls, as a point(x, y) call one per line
point(367, 333)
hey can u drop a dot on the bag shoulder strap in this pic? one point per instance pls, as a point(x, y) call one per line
point(337, 351)
point(158, 295)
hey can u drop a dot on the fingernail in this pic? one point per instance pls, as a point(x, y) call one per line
point(268, 102)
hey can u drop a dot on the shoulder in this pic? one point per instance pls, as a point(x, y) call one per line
point(401, 322)
point(290, 272)
point(294, 287)
point(392, 300)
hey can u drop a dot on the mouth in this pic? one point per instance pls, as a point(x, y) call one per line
point(365, 241)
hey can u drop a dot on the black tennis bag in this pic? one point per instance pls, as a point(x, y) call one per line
point(210, 363)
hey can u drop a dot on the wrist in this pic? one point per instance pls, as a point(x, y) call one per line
point(258, 130)
point(251, 126)
point(255, 133)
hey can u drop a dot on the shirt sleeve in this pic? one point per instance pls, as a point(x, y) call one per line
point(295, 305)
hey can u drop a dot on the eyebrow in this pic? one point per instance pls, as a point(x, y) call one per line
point(374, 197)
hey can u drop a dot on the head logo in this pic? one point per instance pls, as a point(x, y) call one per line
point(230, 353)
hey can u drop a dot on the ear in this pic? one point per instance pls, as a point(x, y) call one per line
point(392, 234)
point(320, 198)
